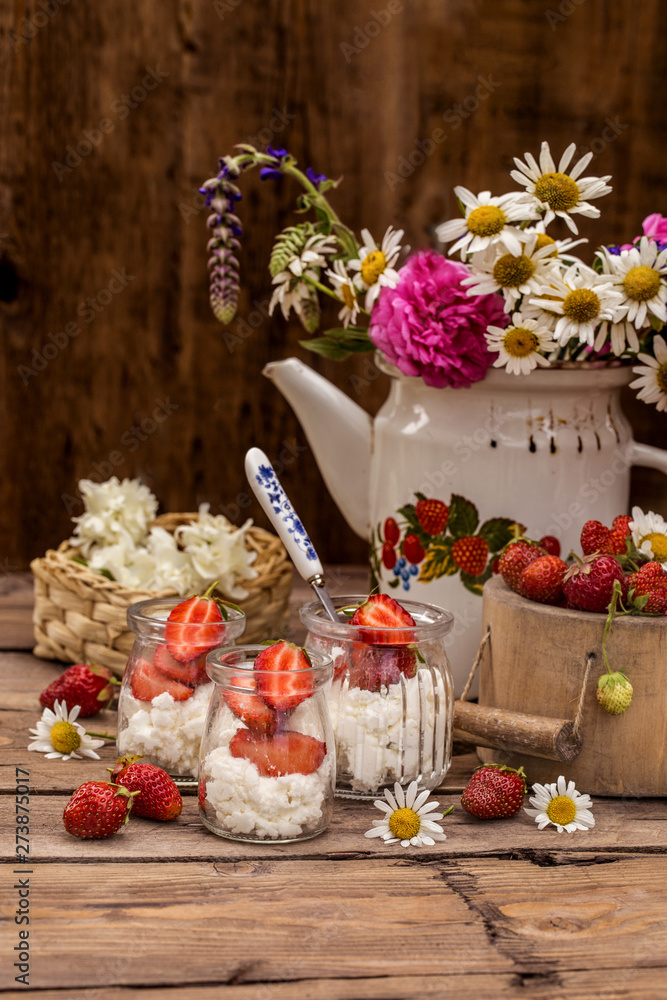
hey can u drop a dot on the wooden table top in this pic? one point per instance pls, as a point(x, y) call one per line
point(497, 910)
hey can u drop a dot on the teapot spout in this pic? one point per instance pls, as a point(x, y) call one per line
point(339, 432)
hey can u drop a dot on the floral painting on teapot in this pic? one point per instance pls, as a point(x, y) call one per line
point(429, 539)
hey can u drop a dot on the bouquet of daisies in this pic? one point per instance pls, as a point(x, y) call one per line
point(518, 299)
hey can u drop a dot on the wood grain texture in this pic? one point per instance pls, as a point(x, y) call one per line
point(148, 385)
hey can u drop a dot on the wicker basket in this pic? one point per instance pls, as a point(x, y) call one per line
point(80, 616)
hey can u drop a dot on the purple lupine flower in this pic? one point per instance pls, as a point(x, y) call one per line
point(315, 178)
point(273, 171)
point(221, 195)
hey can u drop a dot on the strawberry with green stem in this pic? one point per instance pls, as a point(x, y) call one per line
point(614, 690)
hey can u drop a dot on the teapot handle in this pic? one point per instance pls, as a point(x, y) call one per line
point(647, 455)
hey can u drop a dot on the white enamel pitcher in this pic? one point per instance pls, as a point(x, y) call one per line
point(438, 480)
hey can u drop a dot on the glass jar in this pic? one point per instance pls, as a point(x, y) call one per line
point(392, 697)
point(266, 775)
point(163, 702)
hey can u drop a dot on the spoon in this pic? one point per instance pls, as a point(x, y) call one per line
point(279, 509)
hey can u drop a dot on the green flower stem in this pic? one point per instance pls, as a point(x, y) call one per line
point(102, 736)
point(322, 288)
point(609, 623)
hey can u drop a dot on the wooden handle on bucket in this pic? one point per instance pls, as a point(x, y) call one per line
point(516, 732)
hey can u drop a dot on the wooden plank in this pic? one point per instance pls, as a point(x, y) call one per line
point(620, 827)
point(238, 922)
point(247, 922)
point(644, 984)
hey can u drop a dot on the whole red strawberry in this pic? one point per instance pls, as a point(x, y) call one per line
point(594, 538)
point(158, 797)
point(647, 589)
point(432, 515)
point(514, 559)
point(589, 583)
point(470, 554)
point(619, 534)
point(542, 580)
point(494, 792)
point(413, 550)
point(97, 810)
point(81, 684)
point(551, 545)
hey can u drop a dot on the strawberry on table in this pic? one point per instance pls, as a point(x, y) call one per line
point(148, 682)
point(97, 809)
point(494, 792)
point(284, 675)
point(382, 612)
point(250, 707)
point(196, 626)
point(288, 752)
point(82, 684)
point(158, 797)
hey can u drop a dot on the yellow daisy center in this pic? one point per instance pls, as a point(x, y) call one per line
point(487, 220)
point(520, 342)
point(581, 305)
point(511, 272)
point(641, 283)
point(348, 295)
point(558, 191)
point(64, 737)
point(372, 267)
point(661, 377)
point(404, 824)
point(561, 810)
point(658, 543)
point(546, 241)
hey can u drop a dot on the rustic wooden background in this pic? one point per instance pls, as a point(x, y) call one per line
point(354, 102)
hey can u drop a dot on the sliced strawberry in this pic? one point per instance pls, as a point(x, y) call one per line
point(376, 666)
point(285, 753)
point(382, 612)
point(195, 627)
point(251, 708)
point(284, 676)
point(148, 683)
point(192, 673)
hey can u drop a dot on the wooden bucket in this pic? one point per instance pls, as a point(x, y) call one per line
point(535, 663)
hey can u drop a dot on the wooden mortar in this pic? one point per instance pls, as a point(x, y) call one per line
point(535, 663)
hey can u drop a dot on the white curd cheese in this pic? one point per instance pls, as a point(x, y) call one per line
point(166, 731)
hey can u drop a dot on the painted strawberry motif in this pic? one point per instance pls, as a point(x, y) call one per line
point(391, 531)
point(432, 515)
point(389, 555)
point(470, 554)
point(413, 550)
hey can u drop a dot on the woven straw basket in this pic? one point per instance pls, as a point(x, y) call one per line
point(80, 616)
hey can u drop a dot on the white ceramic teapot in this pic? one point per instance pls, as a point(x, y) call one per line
point(438, 480)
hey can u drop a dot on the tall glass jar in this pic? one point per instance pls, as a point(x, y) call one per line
point(392, 697)
point(163, 702)
point(265, 774)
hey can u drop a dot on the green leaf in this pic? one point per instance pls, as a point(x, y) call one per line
point(339, 343)
point(439, 561)
point(497, 532)
point(395, 582)
point(327, 348)
point(289, 244)
point(463, 517)
point(475, 583)
point(410, 515)
point(79, 559)
point(308, 311)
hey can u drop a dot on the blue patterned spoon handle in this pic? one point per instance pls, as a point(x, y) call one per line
point(280, 511)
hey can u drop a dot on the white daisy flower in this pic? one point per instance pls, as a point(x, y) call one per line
point(346, 292)
point(652, 383)
point(292, 289)
point(639, 275)
point(649, 533)
point(376, 265)
point(521, 346)
point(59, 735)
point(582, 299)
point(557, 193)
point(409, 818)
point(486, 221)
point(562, 806)
point(512, 274)
point(561, 250)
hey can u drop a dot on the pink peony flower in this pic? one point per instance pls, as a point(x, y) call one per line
point(655, 227)
point(429, 326)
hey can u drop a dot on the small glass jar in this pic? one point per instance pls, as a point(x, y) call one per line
point(266, 775)
point(392, 697)
point(163, 702)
